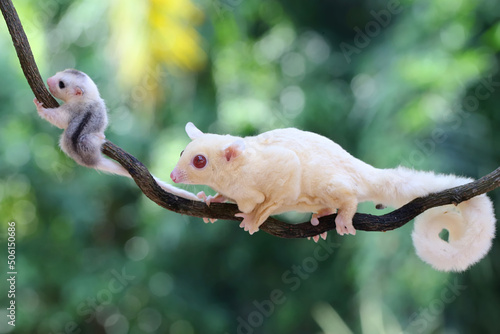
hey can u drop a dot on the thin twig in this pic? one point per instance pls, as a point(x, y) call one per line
point(25, 55)
point(226, 211)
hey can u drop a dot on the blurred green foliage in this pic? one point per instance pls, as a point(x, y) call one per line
point(411, 82)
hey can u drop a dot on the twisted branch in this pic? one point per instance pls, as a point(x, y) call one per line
point(226, 211)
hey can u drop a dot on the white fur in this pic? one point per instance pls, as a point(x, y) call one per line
point(292, 170)
point(471, 231)
point(471, 224)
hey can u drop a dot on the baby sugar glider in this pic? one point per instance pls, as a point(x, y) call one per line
point(84, 118)
point(293, 170)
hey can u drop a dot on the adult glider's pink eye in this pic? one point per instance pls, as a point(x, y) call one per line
point(199, 161)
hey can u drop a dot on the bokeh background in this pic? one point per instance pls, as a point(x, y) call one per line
point(394, 82)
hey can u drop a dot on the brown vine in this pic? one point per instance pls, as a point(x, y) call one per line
point(226, 211)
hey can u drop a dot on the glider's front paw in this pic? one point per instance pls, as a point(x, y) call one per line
point(321, 213)
point(201, 195)
point(37, 103)
point(211, 199)
point(315, 222)
point(316, 237)
point(39, 107)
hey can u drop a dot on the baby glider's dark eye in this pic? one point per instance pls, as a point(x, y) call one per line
point(182, 152)
point(199, 161)
point(61, 85)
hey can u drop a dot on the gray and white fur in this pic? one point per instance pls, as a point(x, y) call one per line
point(84, 118)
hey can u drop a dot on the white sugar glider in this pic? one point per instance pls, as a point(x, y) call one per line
point(84, 118)
point(293, 170)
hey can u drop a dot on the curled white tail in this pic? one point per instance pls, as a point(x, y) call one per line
point(470, 226)
point(108, 166)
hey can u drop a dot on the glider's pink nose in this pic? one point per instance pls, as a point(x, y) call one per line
point(172, 176)
point(176, 176)
point(51, 82)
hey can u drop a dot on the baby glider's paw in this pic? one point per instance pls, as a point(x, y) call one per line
point(37, 103)
point(39, 107)
point(209, 220)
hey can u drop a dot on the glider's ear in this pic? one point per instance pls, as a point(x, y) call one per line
point(192, 131)
point(234, 149)
point(78, 91)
